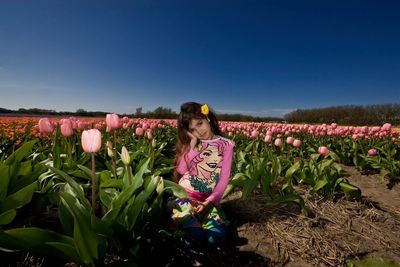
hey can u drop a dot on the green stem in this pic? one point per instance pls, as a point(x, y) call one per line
point(114, 159)
point(128, 170)
point(93, 184)
point(69, 148)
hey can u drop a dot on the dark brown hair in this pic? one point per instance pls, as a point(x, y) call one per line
point(189, 111)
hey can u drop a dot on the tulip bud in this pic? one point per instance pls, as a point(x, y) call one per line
point(126, 159)
point(109, 146)
point(160, 186)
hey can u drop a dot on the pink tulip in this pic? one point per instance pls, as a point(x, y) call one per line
point(296, 143)
point(98, 126)
point(139, 131)
point(289, 140)
point(254, 134)
point(375, 129)
point(278, 142)
point(268, 139)
point(91, 143)
point(66, 128)
point(45, 126)
point(91, 140)
point(387, 127)
point(149, 134)
point(125, 119)
point(323, 150)
point(372, 152)
point(113, 122)
point(35, 129)
point(82, 125)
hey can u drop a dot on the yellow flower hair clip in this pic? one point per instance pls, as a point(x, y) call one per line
point(204, 109)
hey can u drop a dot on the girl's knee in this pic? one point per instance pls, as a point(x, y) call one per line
point(195, 232)
point(216, 235)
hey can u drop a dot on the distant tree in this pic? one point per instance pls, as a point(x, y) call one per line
point(81, 112)
point(4, 110)
point(139, 112)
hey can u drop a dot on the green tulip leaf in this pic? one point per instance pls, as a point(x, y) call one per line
point(7, 216)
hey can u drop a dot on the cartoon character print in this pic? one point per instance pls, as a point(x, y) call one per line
point(206, 167)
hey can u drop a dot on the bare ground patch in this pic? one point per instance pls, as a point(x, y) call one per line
point(338, 230)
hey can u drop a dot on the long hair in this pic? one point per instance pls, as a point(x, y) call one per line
point(189, 111)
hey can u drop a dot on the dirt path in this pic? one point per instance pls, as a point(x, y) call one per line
point(339, 230)
point(376, 191)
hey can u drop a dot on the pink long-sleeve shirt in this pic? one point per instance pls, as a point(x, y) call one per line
point(205, 170)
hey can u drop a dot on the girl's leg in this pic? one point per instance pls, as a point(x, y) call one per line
point(215, 226)
point(216, 235)
point(195, 232)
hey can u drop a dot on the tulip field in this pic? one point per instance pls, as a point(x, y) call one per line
point(92, 192)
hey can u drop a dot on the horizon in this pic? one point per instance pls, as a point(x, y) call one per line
point(257, 58)
point(122, 114)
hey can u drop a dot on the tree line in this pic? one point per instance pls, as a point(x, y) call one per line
point(343, 115)
point(348, 115)
point(158, 113)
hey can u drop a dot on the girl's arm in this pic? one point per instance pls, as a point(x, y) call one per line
point(183, 162)
point(224, 177)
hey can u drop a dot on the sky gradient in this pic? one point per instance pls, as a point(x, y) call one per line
point(263, 58)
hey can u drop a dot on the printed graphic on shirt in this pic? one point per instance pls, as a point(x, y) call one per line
point(203, 185)
point(205, 168)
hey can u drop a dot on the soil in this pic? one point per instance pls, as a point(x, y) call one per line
point(337, 230)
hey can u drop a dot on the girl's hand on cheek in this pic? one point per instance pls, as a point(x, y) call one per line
point(193, 139)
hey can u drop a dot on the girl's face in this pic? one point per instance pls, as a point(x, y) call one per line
point(201, 129)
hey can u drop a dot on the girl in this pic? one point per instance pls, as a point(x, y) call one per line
point(203, 168)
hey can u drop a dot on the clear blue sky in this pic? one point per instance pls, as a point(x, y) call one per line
point(261, 58)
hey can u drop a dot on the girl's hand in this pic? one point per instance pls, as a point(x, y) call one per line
point(193, 139)
point(202, 208)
